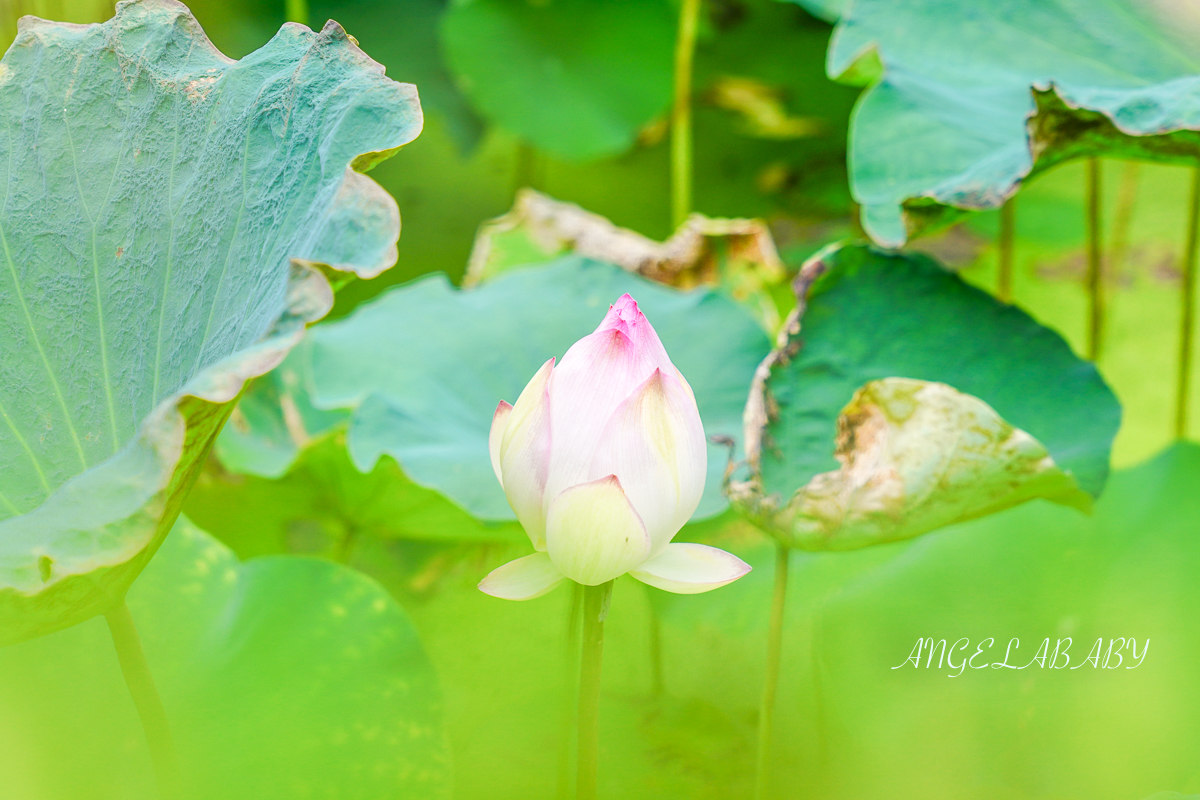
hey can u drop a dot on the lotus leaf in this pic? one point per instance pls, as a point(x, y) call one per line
point(969, 99)
point(155, 193)
point(915, 456)
point(280, 674)
point(865, 315)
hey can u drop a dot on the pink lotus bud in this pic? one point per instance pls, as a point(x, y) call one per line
point(603, 459)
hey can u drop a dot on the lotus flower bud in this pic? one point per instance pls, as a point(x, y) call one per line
point(603, 459)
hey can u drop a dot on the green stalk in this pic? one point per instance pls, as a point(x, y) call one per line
point(570, 688)
point(1004, 290)
point(1122, 218)
point(145, 698)
point(681, 114)
point(766, 711)
point(657, 681)
point(1095, 283)
point(297, 11)
point(1187, 317)
point(595, 609)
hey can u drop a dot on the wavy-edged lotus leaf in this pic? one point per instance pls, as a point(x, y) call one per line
point(453, 354)
point(155, 192)
point(965, 103)
point(576, 78)
point(276, 672)
point(915, 456)
point(864, 315)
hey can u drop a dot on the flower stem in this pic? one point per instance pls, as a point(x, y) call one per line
point(570, 689)
point(145, 697)
point(1187, 316)
point(1122, 217)
point(766, 711)
point(595, 609)
point(681, 114)
point(1095, 283)
point(1004, 290)
point(657, 681)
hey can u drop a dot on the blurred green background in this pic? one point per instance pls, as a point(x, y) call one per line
point(848, 725)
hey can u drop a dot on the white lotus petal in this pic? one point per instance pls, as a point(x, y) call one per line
point(593, 534)
point(686, 386)
point(584, 393)
point(686, 568)
point(523, 579)
point(496, 435)
point(525, 455)
point(654, 443)
point(595, 376)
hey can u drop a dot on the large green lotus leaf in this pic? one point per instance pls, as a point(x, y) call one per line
point(855, 727)
point(576, 78)
point(970, 99)
point(868, 314)
point(154, 194)
point(452, 355)
point(281, 676)
point(846, 724)
point(1086, 729)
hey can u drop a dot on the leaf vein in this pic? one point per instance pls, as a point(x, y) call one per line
point(12, 268)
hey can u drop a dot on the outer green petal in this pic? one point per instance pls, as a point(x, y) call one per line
point(687, 568)
point(523, 579)
point(496, 436)
point(593, 534)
